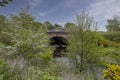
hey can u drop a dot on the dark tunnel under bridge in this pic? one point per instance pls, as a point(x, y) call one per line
point(60, 44)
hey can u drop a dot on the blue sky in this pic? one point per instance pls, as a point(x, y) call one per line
point(62, 11)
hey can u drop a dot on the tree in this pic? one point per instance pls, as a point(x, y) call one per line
point(23, 19)
point(48, 25)
point(3, 22)
point(83, 45)
point(113, 24)
point(112, 36)
point(68, 25)
point(5, 2)
point(57, 26)
point(27, 41)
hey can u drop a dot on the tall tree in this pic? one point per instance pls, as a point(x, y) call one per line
point(48, 25)
point(83, 48)
point(25, 17)
point(22, 19)
point(113, 24)
point(57, 26)
point(68, 25)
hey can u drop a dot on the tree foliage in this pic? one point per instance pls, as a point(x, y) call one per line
point(69, 25)
point(5, 2)
point(24, 39)
point(57, 26)
point(3, 22)
point(112, 36)
point(113, 24)
point(48, 25)
point(4, 70)
point(83, 46)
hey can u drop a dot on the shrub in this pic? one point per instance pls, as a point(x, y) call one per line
point(112, 72)
point(112, 36)
point(115, 44)
point(30, 43)
point(106, 43)
point(4, 71)
point(42, 59)
point(6, 38)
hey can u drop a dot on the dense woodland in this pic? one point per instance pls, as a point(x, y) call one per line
point(25, 53)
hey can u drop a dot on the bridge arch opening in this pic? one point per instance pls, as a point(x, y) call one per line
point(60, 44)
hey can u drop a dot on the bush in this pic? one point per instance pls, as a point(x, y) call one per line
point(30, 43)
point(111, 55)
point(112, 36)
point(4, 71)
point(106, 43)
point(6, 38)
point(112, 72)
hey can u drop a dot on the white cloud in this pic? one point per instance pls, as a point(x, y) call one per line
point(34, 3)
point(103, 10)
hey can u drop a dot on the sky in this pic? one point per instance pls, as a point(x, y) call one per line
point(63, 11)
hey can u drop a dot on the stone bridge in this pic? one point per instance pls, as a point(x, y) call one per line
point(59, 39)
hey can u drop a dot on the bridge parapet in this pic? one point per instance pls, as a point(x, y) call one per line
point(58, 32)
